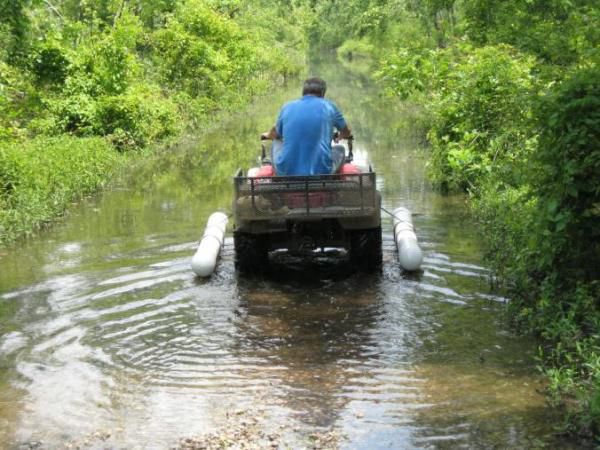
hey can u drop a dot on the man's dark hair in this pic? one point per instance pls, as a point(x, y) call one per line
point(314, 86)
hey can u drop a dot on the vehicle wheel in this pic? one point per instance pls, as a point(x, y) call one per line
point(365, 249)
point(251, 252)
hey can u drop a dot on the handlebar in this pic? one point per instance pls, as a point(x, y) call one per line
point(336, 136)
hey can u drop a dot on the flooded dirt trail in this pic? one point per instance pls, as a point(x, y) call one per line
point(108, 340)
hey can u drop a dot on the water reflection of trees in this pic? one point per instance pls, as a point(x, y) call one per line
point(313, 321)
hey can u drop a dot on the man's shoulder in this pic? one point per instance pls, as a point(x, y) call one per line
point(290, 105)
point(307, 104)
point(331, 103)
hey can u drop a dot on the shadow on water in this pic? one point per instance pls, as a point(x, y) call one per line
point(313, 324)
point(309, 270)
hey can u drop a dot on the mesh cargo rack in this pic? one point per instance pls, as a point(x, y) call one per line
point(316, 196)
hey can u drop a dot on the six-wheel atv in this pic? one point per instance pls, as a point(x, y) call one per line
point(305, 213)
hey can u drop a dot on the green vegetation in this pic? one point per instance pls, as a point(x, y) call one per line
point(511, 108)
point(119, 76)
point(512, 112)
point(41, 177)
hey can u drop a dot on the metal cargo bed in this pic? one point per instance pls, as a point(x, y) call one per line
point(305, 197)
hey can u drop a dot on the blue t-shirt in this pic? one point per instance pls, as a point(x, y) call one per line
point(306, 126)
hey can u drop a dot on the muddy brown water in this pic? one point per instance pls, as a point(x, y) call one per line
point(109, 341)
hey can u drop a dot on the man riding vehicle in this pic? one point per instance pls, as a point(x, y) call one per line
point(309, 196)
point(303, 132)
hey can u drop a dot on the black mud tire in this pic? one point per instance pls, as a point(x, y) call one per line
point(251, 252)
point(365, 249)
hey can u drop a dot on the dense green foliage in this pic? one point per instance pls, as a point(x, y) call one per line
point(131, 73)
point(567, 179)
point(511, 98)
point(480, 98)
point(556, 31)
point(99, 70)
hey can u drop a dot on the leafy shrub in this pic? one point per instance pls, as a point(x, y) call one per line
point(482, 105)
point(410, 71)
point(189, 63)
point(137, 118)
point(74, 113)
point(49, 65)
point(202, 52)
point(103, 68)
point(567, 179)
point(505, 214)
point(478, 100)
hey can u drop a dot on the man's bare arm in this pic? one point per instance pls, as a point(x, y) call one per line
point(271, 134)
point(345, 133)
